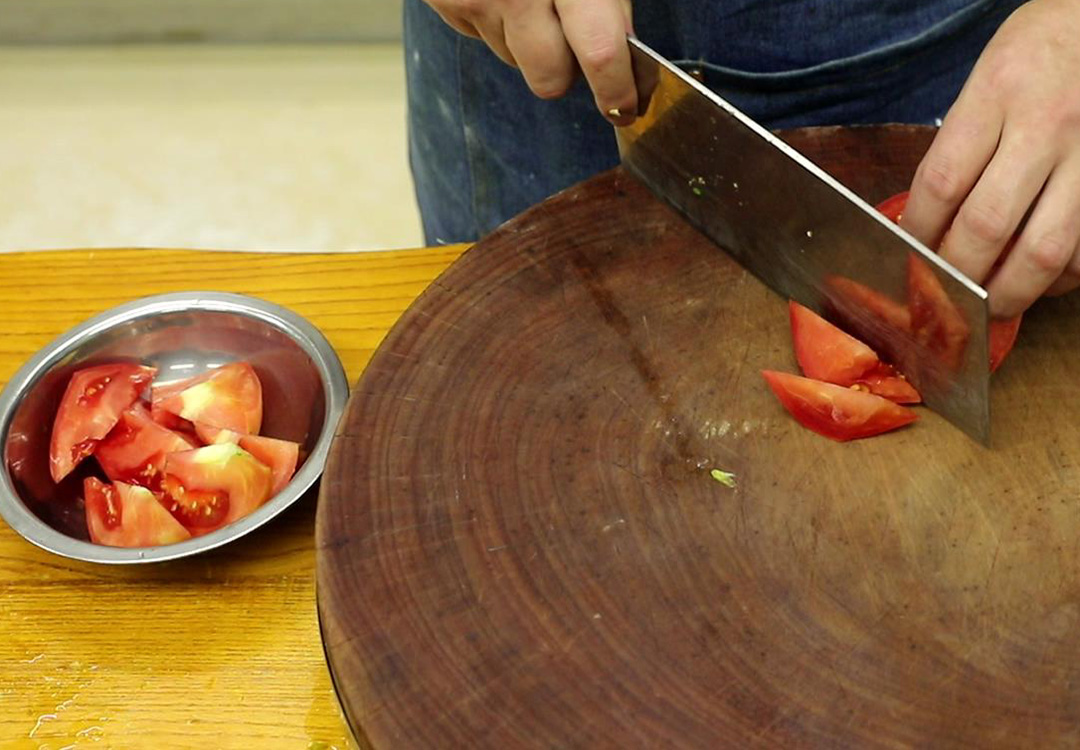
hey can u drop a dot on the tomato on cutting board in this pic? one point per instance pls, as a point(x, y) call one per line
point(91, 406)
point(126, 515)
point(835, 411)
point(135, 450)
point(825, 352)
point(228, 397)
point(244, 483)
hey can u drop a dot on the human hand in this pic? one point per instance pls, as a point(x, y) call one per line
point(548, 40)
point(1007, 158)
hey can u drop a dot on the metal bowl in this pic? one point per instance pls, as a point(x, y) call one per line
point(184, 334)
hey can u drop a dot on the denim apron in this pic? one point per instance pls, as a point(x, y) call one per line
point(482, 148)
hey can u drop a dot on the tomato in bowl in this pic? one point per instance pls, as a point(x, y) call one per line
point(184, 337)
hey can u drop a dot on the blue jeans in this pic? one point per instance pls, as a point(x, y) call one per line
point(482, 148)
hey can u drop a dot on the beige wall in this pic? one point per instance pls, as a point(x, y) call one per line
point(108, 21)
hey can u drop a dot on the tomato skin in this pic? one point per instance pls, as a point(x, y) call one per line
point(224, 468)
point(125, 515)
point(1003, 335)
point(834, 411)
point(134, 451)
point(228, 397)
point(91, 406)
point(824, 351)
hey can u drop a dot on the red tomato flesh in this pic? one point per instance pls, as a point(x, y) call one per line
point(91, 406)
point(824, 351)
point(229, 397)
point(134, 451)
point(834, 411)
point(125, 515)
point(224, 468)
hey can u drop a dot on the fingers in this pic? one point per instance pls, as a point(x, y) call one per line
point(1045, 255)
point(596, 33)
point(494, 35)
point(952, 165)
point(992, 212)
point(535, 39)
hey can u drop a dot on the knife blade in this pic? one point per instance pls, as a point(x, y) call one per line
point(810, 238)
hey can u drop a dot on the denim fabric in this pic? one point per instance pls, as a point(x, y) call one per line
point(482, 148)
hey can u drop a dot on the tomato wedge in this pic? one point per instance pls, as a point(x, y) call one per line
point(125, 515)
point(224, 468)
point(824, 351)
point(228, 397)
point(834, 411)
point(91, 406)
point(134, 451)
point(280, 455)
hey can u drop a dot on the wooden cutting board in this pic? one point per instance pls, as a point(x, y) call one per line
point(520, 545)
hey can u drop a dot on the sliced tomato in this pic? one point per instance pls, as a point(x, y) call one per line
point(225, 468)
point(228, 397)
point(280, 455)
point(856, 295)
point(824, 351)
point(91, 406)
point(893, 206)
point(1002, 337)
point(125, 515)
point(134, 451)
point(887, 382)
point(834, 411)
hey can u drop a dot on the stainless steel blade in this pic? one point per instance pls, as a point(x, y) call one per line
point(803, 234)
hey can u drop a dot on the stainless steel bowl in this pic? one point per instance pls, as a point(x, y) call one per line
point(304, 394)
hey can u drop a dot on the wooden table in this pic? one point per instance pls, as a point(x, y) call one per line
point(221, 650)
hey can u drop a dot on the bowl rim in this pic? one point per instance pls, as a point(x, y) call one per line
point(326, 360)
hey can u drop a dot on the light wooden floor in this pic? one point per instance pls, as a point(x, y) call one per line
point(243, 147)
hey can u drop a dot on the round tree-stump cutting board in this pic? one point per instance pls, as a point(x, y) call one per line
point(521, 546)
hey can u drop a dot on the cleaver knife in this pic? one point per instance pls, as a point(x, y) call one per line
point(809, 238)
